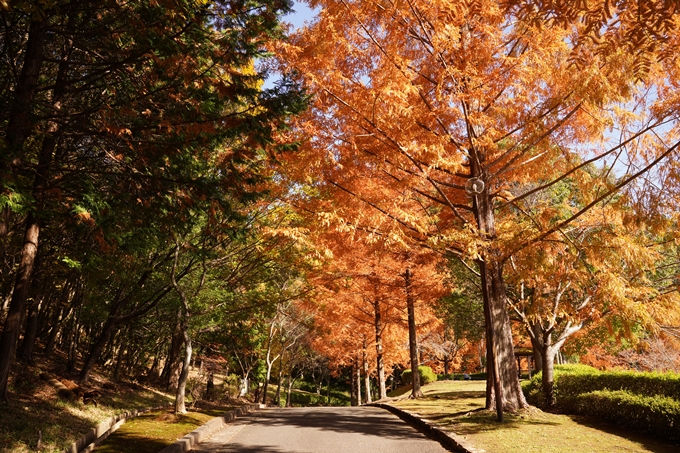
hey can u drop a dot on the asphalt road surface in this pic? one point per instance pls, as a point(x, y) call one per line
point(320, 430)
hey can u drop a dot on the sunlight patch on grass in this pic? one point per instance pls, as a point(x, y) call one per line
point(150, 433)
point(458, 406)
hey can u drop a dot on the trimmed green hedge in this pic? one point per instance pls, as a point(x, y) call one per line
point(573, 380)
point(425, 372)
point(647, 384)
point(656, 414)
point(647, 401)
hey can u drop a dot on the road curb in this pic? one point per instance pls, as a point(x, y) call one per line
point(446, 438)
point(205, 431)
point(104, 429)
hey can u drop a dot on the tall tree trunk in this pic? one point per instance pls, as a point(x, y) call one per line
point(18, 129)
point(380, 360)
point(353, 384)
point(507, 391)
point(358, 380)
point(265, 386)
point(4, 232)
point(535, 334)
point(494, 389)
point(416, 392)
point(548, 375)
point(154, 371)
point(277, 397)
point(74, 340)
point(367, 376)
point(97, 347)
point(289, 390)
point(55, 323)
point(31, 332)
point(268, 360)
point(180, 406)
point(12, 328)
point(68, 297)
point(174, 364)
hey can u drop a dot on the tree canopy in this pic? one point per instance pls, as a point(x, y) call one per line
point(394, 182)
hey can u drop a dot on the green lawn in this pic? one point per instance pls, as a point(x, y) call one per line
point(150, 433)
point(457, 406)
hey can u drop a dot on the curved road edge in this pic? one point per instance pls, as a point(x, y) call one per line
point(210, 428)
point(448, 439)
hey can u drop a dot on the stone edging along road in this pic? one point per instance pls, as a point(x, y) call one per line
point(201, 433)
point(446, 438)
point(99, 433)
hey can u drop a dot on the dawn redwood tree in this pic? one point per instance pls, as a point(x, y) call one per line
point(363, 277)
point(450, 107)
point(374, 299)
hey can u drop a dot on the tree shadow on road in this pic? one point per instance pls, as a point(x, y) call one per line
point(365, 420)
point(214, 447)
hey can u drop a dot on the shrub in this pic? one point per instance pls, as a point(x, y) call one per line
point(656, 414)
point(574, 380)
point(425, 372)
point(231, 386)
point(648, 401)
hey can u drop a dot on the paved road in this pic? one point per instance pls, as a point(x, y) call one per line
point(320, 430)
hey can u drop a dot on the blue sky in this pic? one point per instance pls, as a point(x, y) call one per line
point(301, 13)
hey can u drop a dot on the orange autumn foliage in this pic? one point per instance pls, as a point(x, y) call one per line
point(447, 117)
point(361, 279)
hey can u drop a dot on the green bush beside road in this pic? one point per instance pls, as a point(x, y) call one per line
point(639, 400)
point(425, 372)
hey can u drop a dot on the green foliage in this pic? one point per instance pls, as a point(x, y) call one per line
point(231, 386)
point(532, 388)
point(648, 401)
point(462, 310)
point(657, 414)
point(425, 372)
point(313, 399)
point(311, 387)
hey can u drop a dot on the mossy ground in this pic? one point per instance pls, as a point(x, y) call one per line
point(458, 406)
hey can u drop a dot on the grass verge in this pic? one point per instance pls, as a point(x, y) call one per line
point(150, 433)
point(458, 406)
